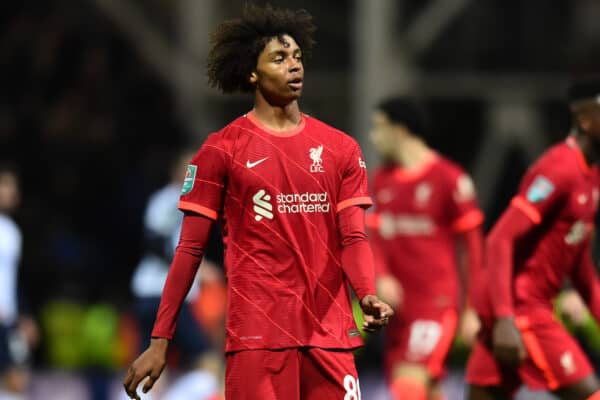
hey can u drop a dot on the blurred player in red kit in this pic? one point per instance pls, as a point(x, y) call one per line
point(541, 240)
point(291, 191)
point(426, 220)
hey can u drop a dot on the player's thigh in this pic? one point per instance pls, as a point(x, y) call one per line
point(580, 390)
point(263, 375)
point(555, 360)
point(423, 339)
point(485, 375)
point(487, 393)
point(328, 374)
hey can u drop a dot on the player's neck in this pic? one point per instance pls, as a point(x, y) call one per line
point(277, 118)
point(412, 153)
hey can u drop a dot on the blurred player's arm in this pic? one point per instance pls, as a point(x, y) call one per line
point(466, 225)
point(470, 257)
point(195, 232)
point(513, 224)
point(388, 287)
point(357, 263)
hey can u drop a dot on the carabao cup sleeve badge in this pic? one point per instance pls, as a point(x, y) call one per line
point(190, 177)
point(540, 189)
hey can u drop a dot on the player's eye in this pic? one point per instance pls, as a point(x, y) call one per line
point(278, 60)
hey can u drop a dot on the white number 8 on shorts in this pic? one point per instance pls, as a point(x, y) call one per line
point(352, 387)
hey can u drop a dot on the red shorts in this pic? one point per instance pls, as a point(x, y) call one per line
point(291, 374)
point(554, 357)
point(422, 337)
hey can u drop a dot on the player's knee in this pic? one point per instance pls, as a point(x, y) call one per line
point(586, 389)
point(410, 382)
point(404, 388)
point(413, 372)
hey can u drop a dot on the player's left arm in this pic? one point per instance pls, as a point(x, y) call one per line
point(357, 258)
point(466, 224)
point(358, 266)
point(467, 219)
point(470, 258)
point(585, 280)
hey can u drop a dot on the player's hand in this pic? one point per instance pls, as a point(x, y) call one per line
point(469, 326)
point(390, 291)
point(507, 343)
point(572, 307)
point(149, 364)
point(376, 313)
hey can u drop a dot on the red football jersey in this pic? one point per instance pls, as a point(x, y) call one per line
point(418, 214)
point(559, 193)
point(279, 195)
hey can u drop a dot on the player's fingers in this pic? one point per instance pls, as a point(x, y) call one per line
point(368, 328)
point(372, 324)
point(148, 384)
point(386, 311)
point(128, 378)
point(127, 383)
point(368, 323)
point(131, 389)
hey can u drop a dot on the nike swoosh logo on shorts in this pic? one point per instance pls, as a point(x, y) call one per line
point(255, 163)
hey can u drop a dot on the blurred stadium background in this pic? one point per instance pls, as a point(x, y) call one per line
point(97, 96)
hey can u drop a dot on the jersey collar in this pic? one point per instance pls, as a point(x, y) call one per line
point(252, 118)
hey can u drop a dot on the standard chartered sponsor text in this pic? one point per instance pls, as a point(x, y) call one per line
point(293, 203)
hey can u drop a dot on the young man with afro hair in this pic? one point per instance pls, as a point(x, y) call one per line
point(291, 192)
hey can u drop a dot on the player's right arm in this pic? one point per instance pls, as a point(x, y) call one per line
point(542, 190)
point(201, 199)
point(513, 224)
point(194, 236)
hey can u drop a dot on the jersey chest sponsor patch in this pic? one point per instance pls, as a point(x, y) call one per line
point(540, 189)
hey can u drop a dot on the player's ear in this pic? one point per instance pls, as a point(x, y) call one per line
point(253, 78)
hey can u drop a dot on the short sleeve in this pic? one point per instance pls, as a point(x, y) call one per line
point(205, 179)
point(354, 187)
point(541, 191)
point(466, 212)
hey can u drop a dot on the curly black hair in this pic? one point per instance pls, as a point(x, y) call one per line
point(237, 43)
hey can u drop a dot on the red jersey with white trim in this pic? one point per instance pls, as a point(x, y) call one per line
point(559, 193)
point(279, 195)
point(417, 217)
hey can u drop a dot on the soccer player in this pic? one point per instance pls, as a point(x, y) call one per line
point(292, 192)
point(426, 221)
point(18, 332)
point(542, 239)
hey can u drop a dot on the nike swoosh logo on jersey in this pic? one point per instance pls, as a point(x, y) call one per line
point(255, 163)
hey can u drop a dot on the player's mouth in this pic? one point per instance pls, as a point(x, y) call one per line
point(295, 84)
